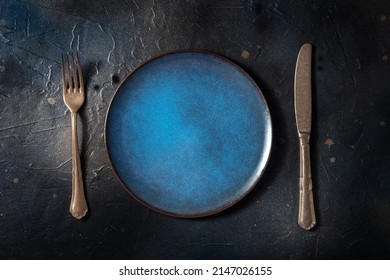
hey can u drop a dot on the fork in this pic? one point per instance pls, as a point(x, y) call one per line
point(73, 95)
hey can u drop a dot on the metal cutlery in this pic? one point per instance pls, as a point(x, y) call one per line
point(74, 96)
point(303, 115)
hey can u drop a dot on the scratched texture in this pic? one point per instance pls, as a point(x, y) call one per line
point(350, 141)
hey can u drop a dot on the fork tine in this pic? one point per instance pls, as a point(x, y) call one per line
point(69, 73)
point(76, 83)
point(63, 74)
point(81, 80)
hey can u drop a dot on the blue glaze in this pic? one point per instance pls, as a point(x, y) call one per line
point(188, 134)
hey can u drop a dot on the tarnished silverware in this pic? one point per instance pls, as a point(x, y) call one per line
point(303, 115)
point(73, 94)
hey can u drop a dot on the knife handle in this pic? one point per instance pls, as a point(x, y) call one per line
point(306, 216)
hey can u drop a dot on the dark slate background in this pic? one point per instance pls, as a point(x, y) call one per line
point(350, 148)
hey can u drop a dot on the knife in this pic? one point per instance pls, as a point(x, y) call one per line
point(302, 97)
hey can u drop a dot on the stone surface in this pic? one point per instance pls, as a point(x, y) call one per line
point(350, 106)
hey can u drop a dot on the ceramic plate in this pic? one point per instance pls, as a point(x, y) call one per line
point(188, 134)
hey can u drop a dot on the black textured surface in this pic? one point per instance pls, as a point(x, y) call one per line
point(350, 150)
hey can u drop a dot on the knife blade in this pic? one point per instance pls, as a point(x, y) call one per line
point(303, 116)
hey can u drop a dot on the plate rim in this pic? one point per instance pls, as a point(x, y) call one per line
point(251, 184)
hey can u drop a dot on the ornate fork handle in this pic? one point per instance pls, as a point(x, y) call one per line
point(78, 205)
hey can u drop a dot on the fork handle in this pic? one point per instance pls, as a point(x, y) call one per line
point(306, 215)
point(78, 205)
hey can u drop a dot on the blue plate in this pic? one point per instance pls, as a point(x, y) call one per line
point(188, 134)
